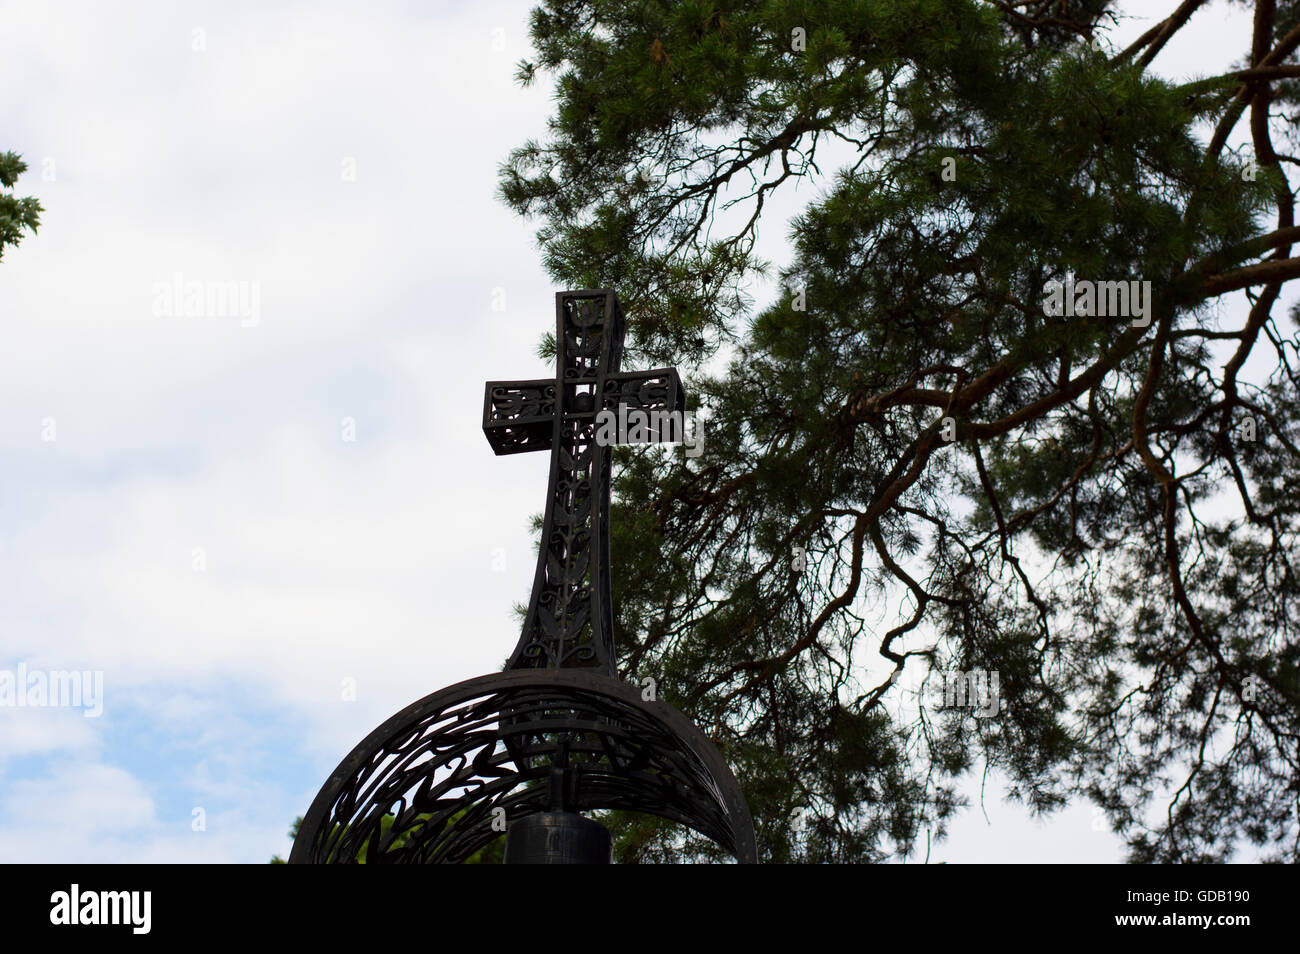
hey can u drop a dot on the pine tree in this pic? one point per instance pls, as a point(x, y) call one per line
point(1100, 510)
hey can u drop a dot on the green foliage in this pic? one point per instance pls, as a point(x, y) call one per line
point(489, 854)
point(293, 833)
point(15, 214)
point(1099, 534)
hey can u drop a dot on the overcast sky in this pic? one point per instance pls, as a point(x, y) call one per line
point(237, 516)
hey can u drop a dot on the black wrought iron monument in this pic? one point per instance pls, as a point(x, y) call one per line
point(528, 750)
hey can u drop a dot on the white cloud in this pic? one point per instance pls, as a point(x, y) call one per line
point(44, 731)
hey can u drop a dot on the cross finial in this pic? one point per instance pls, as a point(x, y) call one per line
point(569, 621)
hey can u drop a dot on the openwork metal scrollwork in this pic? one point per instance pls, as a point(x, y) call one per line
point(422, 788)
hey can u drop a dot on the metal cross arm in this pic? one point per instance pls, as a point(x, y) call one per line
point(520, 416)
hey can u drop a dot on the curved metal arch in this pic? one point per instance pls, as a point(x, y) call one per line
point(437, 770)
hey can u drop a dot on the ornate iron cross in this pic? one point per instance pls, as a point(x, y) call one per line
point(561, 734)
point(569, 621)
